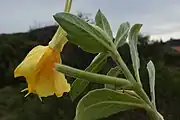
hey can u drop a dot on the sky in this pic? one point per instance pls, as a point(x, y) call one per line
point(160, 18)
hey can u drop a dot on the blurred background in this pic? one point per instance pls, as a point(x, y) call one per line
point(25, 24)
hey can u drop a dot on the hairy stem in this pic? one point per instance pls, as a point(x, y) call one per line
point(59, 38)
point(93, 77)
point(154, 115)
point(137, 88)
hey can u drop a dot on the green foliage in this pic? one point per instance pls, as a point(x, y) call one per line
point(94, 77)
point(99, 38)
point(151, 72)
point(72, 21)
point(105, 102)
point(92, 39)
point(79, 85)
point(133, 39)
point(103, 23)
point(122, 34)
point(116, 71)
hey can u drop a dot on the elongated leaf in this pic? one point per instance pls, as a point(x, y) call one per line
point(79, 85)
point(89, 37)
point(160, 116)
point(133, 39)
point(94, 77)
point(113, 72)
point(122, 34)
point(105, 102)
point(103, 23)
point(151, 72)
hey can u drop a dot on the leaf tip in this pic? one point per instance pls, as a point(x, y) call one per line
point(55, 15)
point(99, 11)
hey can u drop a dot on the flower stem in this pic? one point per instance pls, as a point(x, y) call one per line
point(66, 5)
point(93, 77)
point(138, 78)
point(154, 115)
point(69, 6)
point(59, 38)
point(137, 88)
point(123, 66)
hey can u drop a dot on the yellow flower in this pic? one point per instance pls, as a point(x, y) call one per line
point(38, 66)
point(38, 69)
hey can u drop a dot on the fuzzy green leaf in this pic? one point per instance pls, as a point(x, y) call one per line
point(122, 34)
point(103, 23)
point(105, 102)
point(89, 37)
point(133, 39)
point(151, 72)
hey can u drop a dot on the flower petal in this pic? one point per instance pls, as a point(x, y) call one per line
point(60, 84)
point(47, 61)
point(44, 86)
point(45, 73)
point(28, 65)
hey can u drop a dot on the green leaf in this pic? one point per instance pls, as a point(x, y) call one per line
point(133, 39)
point(151, 72)
point(89, 37)
point(102, 103)
point(130, 92)
point(122, 34)
point(113, 72)
point(94, 77)
point(79, 85)
point(103, 23)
